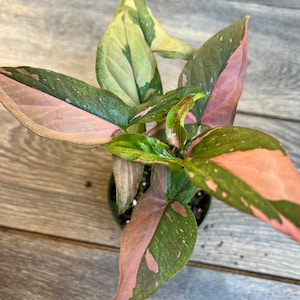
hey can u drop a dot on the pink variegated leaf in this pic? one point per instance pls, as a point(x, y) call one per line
point(250, 171)
point(221, 107)
point(155, 224)
point(219, 67)
point(59, 107)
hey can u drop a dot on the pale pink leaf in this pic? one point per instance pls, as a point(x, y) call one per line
point(52, 118)
point(138, 234)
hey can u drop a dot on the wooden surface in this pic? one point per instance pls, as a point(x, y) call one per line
point(57, 238)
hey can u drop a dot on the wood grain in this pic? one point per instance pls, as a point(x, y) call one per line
point(33, 268)
point(57, 189)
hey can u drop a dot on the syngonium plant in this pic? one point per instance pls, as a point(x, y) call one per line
point(186, 135)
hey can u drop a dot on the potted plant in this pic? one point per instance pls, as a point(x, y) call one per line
point(186, 136)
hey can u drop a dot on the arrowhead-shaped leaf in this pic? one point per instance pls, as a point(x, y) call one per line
point(125, 64)
point(219, 67)
point(250, 171)
point(59, 107)
point(155, 225)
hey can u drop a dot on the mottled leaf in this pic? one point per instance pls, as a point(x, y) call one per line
point(125, 64)
point(250, 171)
point(219, 67)
point(52, 118)
point(175, 122)
point(139, 148)
point(127, 177)
point(155, 225)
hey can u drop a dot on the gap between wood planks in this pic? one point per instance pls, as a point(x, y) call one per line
point(196, 264)
point(266, 116)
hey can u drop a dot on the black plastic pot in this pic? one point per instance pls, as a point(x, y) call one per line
point(199, 204)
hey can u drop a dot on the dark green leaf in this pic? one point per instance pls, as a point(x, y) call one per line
point(156, 108)
point(180, 188)
point(229, 139)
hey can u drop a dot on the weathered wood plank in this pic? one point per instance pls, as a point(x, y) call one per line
point(237, 241)
point(33, 268)
point(49, 35)
point(53, 187)
point(286, 4)
point(38, 269)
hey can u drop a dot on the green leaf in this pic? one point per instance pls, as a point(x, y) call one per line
point(175, 127)
point(205, 67)
point(125, 64)
point(250, 171)
point(139, 148)
point(157, 108)
point(101, 103)
point(230, 139)
point(194, 130)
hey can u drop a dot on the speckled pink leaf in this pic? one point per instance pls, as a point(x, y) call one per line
point(250, 171)
point(137, 235)
point(52, 118)
point(155, 225)
point(219, 67)
point(273, 177)
point(221, 107)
